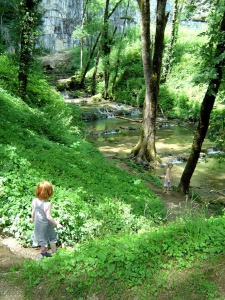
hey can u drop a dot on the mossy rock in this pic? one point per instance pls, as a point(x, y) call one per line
point(97, 97)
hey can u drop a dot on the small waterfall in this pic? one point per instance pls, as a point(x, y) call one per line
point(104, 111)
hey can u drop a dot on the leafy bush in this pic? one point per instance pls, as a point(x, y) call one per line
point(99, 265)
point(8, 74)
point(217, 122)
point(29, 154)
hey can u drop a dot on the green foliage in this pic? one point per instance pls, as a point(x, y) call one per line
point(28, 20)
point(217, 125)
point(148, 176)
point(181, 96)
point(37, 142)
point(99, 265)
point(129, 85)
point(211, 55)
point(8, 74)
point(130, 81)
point(110, 218)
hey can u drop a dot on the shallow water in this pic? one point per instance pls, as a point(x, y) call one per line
point(115, 136)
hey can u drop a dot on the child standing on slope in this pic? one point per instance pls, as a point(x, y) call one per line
point(167, 180)
point(44, 232)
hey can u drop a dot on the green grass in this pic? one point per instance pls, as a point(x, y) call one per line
point(119, 246)
point(91, 197)
point(166, 263)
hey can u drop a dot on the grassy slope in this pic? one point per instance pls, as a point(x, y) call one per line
point(94, 199)
point(86, 186)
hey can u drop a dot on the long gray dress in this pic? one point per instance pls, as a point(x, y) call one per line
point(44, 232)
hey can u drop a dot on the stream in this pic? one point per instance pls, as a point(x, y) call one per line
point(115, 134)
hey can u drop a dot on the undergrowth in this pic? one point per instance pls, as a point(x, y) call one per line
point(120, 248)
point(91, 197)
point(142, 259)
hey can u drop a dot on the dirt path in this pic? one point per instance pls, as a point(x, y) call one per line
point(175, 203)
point(12, 253)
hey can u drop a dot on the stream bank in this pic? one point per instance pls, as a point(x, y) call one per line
point(117, 131)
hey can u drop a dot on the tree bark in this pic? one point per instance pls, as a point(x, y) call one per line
point(145, 149)
point(84, 7)
point(116, 69)
point(172, 43)
point(30, 19)
point(89, 60)
point(203, 123)
point(93, 87)
point(105, 43)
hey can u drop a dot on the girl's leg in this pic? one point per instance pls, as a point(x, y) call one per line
point(44, 253)
point(43, 249)
point(165, 189)
point(53, 247)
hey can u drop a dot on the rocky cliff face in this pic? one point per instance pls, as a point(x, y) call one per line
point(60, 19)
point(62, 16)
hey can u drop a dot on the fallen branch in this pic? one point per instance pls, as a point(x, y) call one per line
point(164, 121)
point(180, 125)
point(136, 121)
point(217, 192)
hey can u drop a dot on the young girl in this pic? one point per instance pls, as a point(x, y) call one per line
point(168, 177)
point(44, 231)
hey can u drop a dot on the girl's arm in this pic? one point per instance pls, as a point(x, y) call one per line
point(50, 218)
point(33, 211)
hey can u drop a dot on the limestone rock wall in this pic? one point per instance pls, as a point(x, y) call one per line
point(60, 19)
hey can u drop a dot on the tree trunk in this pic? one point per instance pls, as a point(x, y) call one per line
point(145, 149)
point(89, 60)
point(172, 43)
point(117, 64)
point(206, 108)
point(107, 65)
point(93, 88)
point(105, 43)
point(84, 7)
point(30, 19)
point(24, 62)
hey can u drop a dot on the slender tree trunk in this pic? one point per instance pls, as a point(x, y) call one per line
point(25, 57)
point(107, 64)
point(172, 43)
point(30, 19)
point(89, 60)
point(95, 71)
point(206, 108)
point(84, 7)
point(106, 44)
point(25, 46)
point(119, 52)
point(106, 47)
point(145, 149)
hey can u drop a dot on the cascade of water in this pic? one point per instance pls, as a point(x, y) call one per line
point(104, 111)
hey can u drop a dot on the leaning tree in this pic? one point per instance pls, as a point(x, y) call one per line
point(214, 51)
point(145, 150)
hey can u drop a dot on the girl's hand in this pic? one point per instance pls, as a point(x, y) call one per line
point(59, 226)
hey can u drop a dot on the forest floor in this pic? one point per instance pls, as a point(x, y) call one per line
point(12, 253)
